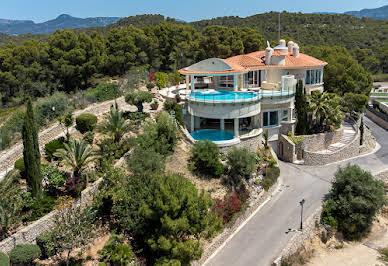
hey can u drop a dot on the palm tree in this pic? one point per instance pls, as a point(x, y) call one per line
point(319, 107)
point(76, 155)
point(115, 125)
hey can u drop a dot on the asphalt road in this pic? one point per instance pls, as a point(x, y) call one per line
point(261, 240)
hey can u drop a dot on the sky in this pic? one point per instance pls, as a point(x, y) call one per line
point(188, 10)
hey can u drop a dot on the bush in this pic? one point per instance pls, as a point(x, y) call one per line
point(154, 105)
point(51, 147)
point(89, 138)
point(105, 92)
point(241, 163)
point(145, 162)
point(161, 79)
point(4, 259)
point(5, 138)
point(53, 176)
point(353, 201)
point(115, 252)
point(25, 254)
point(271, 175)
point(228, 207)
point(86, 122)
point(19, 164)
point(47, 244)
point(177, 108)
point(48, 109)
point(41, 207)
point(205, 158)
point(150, 86)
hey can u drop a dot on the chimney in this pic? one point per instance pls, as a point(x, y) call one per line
point(290, 46)
point(268, 55)
point(295, 50)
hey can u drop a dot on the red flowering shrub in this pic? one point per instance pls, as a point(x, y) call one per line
point(228, 207)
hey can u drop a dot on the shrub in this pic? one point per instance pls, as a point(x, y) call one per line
point(205, 158)
point(145, 162)
point(46, 244)
point(41, 207)
point(150, 86)
point(154, 105)
point(228, 207)
point(5, 138)
point(51, 147)
point(105, 92)
point(89, 138)
point(271, 175)
point(115, 252)
point(49, 108)
point(241, 163)
point(53, 176)
point(4, 259)
point(19, 164)
point(177, 108)
point(86, 122)
point(135, 116)
point(137, 98)
point(353, 201)
point(161, 79)
point(25, 254)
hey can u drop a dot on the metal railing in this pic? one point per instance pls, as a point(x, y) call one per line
point(233, 97)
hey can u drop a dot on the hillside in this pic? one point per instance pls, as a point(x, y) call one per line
point(376, 13)
point(61, 22)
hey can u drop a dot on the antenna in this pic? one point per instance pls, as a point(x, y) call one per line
point(279, 27)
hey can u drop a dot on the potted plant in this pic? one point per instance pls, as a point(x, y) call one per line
point(154, 105)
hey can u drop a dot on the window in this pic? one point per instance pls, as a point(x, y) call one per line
point(285, 115)
point(270, 119)
point(225, 81)
point(313, 76)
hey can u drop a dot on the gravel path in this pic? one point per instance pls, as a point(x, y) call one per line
point(10, 155)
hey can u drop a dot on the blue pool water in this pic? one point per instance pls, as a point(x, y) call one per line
point(212, 134)
point(223, 95)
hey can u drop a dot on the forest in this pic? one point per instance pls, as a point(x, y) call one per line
point(66, 60)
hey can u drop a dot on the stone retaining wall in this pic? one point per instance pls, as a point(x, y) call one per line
point(28, 234)
point(286, 149)
point(251, 143)
point(321, 141)
point(381, 122)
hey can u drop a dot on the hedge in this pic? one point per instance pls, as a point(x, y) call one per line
point(25, 254)
point(86, 122)
point(104, 92)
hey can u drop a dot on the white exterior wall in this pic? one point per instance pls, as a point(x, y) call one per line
point(224, 110)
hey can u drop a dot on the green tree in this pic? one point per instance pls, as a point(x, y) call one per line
point(115, 126)
point(205, 158)
point(241, 164)
point(354, 104)
point(301, 108)
point(167, 217)
point(353, 201)
point(76, 154)
point(161, 79)
point(137, 98)
point(31, 152)
point(66, 121)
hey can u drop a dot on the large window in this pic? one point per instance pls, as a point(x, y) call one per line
point(270, 119)
point(252, 79)
point(313, 76)
point(225, 81)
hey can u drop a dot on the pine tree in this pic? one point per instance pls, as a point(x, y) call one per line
point(301, 109)
point(31, 152)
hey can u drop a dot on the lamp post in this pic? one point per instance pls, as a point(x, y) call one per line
point(301, 213)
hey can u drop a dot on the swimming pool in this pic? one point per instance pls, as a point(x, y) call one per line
point(223, 95)
point(212, 135)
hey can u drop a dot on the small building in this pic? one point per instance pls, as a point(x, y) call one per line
point(233, 100)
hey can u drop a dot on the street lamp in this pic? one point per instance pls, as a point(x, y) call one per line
point(301, 213)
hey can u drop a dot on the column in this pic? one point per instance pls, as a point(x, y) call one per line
point(236, 127)
point(197, 122)
point(222, 124)
point(187, 82)
point(235, 78)
point(290, 114)
point(192, 128)
point(192, 83)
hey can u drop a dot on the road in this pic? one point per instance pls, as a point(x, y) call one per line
point(261, 240)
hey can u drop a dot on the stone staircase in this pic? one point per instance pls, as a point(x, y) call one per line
point(348, 135)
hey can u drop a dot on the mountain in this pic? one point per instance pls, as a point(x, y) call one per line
point(376, 13)
point(61, 22)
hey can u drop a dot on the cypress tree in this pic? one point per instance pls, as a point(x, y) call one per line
point(301, 109)
point(31, 152)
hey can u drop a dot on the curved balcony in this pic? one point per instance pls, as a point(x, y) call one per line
point(223, 96)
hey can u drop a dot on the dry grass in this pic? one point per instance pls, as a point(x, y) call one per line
point(178, 162)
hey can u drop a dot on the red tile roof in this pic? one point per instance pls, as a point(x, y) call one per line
point(256, 60)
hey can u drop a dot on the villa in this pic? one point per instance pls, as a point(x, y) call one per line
point(232, 101)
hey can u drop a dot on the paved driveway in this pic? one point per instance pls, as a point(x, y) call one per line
point(260, 241)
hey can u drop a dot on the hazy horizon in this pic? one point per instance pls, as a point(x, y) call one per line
point(43, 10)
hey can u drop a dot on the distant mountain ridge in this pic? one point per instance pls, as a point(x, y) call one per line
point(63, 21)
point(375, 13)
